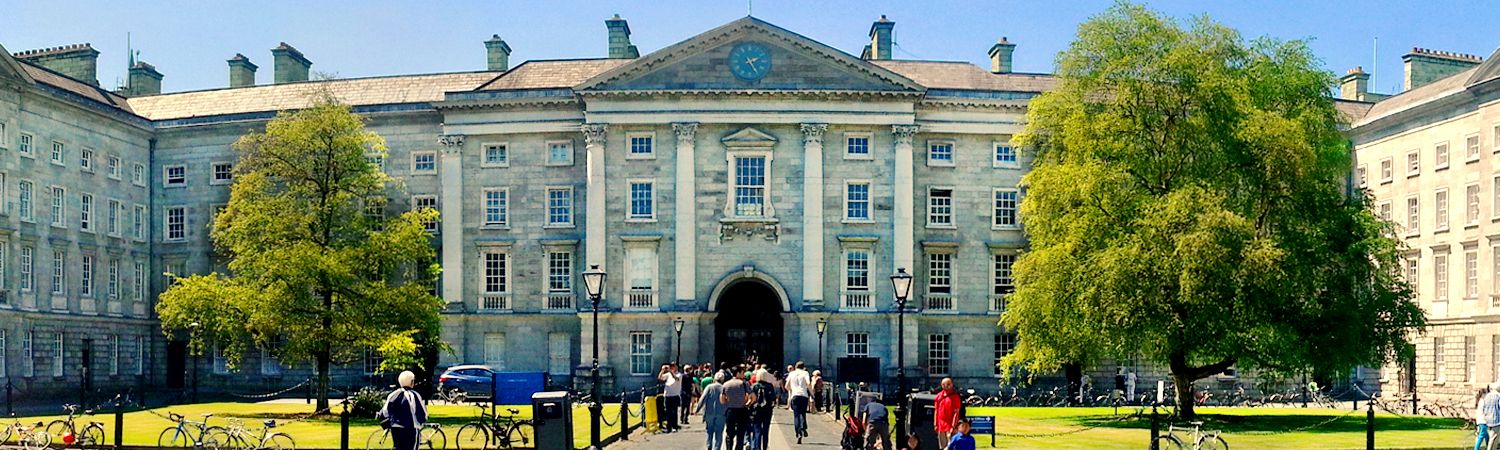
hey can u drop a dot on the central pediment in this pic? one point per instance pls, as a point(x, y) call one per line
point(784, 61)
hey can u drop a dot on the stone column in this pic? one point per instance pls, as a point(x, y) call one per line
point(812, 214)
point(593, 138)
point(905, 193)
point(686, 224)
point(451, 206)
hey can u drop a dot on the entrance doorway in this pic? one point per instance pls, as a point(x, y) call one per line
point(748, 326)
point(176, 364)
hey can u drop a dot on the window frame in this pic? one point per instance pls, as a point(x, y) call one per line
point(502, 277)
point(869, 138)
point(869, 216)
point(642, 348)
point(1015, 155)
point(951, 223)
point(1472, 204)
point(850, 344)
point(1472, 151)
point(416, 170)
point(731, 194)
point(1440, 279)
point(547, 207)
point(112, 216)
point(847, 271)
point(59, 272)
point(935, 347)
point(567, 285)
point(1015, 209)
point(59, 156)
point(930, 274)
point(59, 206)
point(484, 154)
point(1413, 163)
point(86, 160)
point(1442, 156)
point(1471, 273)
point(1441, 210)
point(999, 290)
point(1413, 215)
point(1362, 176)
point(138, 223)
point(213, 173)
point(630, 200)
point(952, 152)
point(26, 200)
point(166, 223)
point(26, 144)
point(167, 179)
point(572, 150)
point(86, 212)
point(630, 153)
point(115, 167)
point(504, 207)
point(138, 174)
point(1387, 170)
point(27, 270)
point(433, 226)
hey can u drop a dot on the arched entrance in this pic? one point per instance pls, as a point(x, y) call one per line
point(748, 324)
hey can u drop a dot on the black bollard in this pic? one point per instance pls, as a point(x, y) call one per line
point(1155, 432)
point(624, 417)
point(119, 423)
point(1369, 426)
point(344, 426)
point(9, 392)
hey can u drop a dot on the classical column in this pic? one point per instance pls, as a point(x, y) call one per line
point(904, 196)
point(812, 213)
point(686, 223)
point(451, 205)
point(593, 138)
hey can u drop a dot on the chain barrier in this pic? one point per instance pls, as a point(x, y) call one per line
point(274, 394)
point(1068, 432)
point(1309, 427)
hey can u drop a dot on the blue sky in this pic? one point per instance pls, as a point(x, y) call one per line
point(189, 41)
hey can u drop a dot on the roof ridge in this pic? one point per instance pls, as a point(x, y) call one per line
point(373, 77)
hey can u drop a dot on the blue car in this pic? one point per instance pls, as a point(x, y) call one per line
point(475, 381)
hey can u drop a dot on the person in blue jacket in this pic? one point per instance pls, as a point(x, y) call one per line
point(403, 413)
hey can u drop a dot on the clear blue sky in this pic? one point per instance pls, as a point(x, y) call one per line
point(189, 41)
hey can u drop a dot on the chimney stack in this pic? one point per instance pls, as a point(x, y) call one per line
point(881, 44)
point(289, 64)
point(619, 39)
point(499, 54)
point(77, 61)
point(144, 80)
point(241, 71)
point(1424, 66)
point(1355, 85)
point(1000, 56)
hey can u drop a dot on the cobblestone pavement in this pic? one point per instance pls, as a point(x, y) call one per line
point(823, 433)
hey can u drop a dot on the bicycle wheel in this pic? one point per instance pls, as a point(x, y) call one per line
point(172, 437)
point(1168, 442)
point(520, 435)
point(378, 439)
point(62, 431)
point(472, 436)
point(433, 438)
point(221, 438)
point(92, 436)
point(279, 441)
point(1212, 442)
point(36, 440)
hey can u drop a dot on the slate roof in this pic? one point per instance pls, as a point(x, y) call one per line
point(278, 97)
point(1487, 71)
point(1351, 110)
point(85, 90)
point(563, 73)
point(962, 75)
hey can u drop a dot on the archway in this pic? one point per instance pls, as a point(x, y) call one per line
point(749, 324)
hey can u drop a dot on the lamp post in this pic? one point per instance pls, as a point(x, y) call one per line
point(593, 281)
point(822, 327)
point(901, 284)
point(193, 341)
point(677, 325)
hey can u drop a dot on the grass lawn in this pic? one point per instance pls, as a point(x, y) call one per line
point(1242, 428)
point(142, 427)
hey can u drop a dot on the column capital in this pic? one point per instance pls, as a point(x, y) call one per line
point(813, 132)
point(904, 133)
point(451, 142)
point(685, 130)
point(593, 133)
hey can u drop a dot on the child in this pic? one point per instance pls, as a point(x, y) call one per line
point(963, 440)
point(912, 443)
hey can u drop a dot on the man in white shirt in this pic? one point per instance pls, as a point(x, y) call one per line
point(671, 394)
point(1487, 417)
point(799, 389)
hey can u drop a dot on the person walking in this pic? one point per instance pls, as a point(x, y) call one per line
point(713, 413)
point(948, 405)
point(877, 424)
point(403, 413)
point(762, 408)
point(685, 375)
point(1487, 415)
point(736, 397)
point(671, 393)
point(799, 393)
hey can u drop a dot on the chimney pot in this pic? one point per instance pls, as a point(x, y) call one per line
point(143, 79)
point(1355, 85)
point(241, 71)
point(881, 43)
point(619, 38)
point(1001, 56)
point(498, 54)
point(289, 65)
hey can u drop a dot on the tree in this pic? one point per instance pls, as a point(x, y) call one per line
point(1190, 205)
point(311, 277)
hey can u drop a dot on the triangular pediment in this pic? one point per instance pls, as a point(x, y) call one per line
point(702, 63)
point(11, 69)
point(748, 137)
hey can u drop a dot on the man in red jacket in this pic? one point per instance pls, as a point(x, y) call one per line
point(949, 406)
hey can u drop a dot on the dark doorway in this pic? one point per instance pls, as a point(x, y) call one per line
point(176, 364)
point(88, 371)
point(749, 325)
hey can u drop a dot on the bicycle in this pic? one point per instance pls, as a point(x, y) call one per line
point(67, 429)
point(432, 437)
point(453, 396)
point(495, 431)
point(236, 436)
point(32, 437)
point(1202, 440)
point(187, 433)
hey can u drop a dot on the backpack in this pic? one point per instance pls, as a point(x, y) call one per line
point(764, 395)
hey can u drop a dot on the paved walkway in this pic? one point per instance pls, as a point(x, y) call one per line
point(823, 433)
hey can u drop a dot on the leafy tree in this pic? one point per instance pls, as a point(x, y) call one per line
point(311, 277)
point(1190, 205)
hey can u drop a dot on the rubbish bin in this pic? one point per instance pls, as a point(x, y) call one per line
point(553, 413)
point(920, 411)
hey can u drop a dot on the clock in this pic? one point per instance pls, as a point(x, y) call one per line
point(749, 61)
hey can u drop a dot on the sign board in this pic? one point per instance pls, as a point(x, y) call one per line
point(859, 370)
point(516, 388)
point(1161, 390)
point(983, 425)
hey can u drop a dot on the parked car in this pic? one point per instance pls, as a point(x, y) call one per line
point(474, 380)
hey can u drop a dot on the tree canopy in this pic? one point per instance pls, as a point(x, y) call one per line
point(1190, 205)
point(312, 277)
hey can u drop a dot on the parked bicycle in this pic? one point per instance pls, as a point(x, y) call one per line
point(68, 433)
point(1201, 440)
point(28, 437)
point(186, 433)
point(495, 431)
point(236, 436)
point(432, 437)
point(453, 396)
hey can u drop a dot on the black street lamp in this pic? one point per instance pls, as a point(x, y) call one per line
point(901, 284)
point(194, 327)
point(677, 324)
point(822, 327)
point(593, 281)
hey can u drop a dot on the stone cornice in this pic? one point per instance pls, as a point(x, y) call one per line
point(814, 93)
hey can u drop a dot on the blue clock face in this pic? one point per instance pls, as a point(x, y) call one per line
point(749, 61)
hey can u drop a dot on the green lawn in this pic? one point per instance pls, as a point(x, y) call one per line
point(143, 427)
point(1242, 428)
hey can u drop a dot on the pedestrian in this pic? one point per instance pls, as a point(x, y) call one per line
point(799, 394)
point(671, 393)
point(762, 408)
point(1487, 415)
point(1130, 385)
point(403, 413)
point(877, 424)
point(948, 405)
point(1119, 390)
point(817, 390)
point(689, 392)
point(713, 413)
point(912, 442)
point(735, 395)
point(961, 440)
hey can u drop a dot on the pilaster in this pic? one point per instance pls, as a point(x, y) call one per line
point(812, 214)
point(593, 138)
point(451, 225)
point(686, 243)
point(904, 220)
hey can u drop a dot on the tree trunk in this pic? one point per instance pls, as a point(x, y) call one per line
point(326, 354)
point(1183, 387)
point(1074, 373)
point(322, 381)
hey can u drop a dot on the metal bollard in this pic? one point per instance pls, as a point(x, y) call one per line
point(1155, 431)
point(119, 423)
point(10, 390)
point(624, 417)
point(1369, 426)
point(344, 426)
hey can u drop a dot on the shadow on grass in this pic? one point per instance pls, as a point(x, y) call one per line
point(1274, 423)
